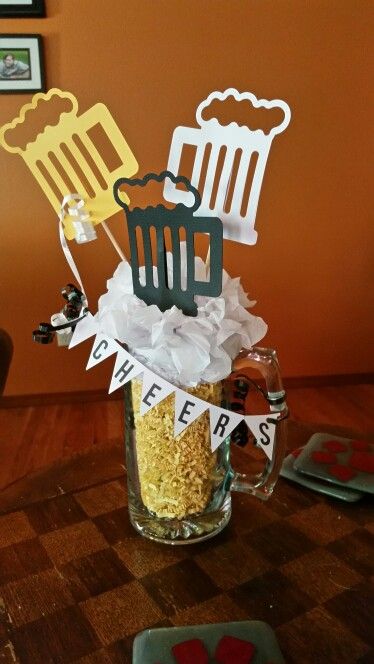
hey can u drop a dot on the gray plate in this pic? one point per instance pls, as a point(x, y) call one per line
point(288, 471)
point(304, 463)
point(154, 645)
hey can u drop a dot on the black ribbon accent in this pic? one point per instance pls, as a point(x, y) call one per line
point(45, 332)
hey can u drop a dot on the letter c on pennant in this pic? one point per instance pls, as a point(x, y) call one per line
point(105, 345)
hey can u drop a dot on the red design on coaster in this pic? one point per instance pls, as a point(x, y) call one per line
point(297, 452)
point(230, 650)
point(342, 473)
point(323, 457)
point(360, 445)
point(335, 446)
point(363, 461)
point(190, 651)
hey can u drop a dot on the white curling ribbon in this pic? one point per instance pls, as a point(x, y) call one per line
point(154, 390)
point(60, 319)
point(263, 430)
point(102, 348)
point(73, 206)
point(187, 409)
point(63, 336)
point(86, 328)
point(69, 258)
point(125, 369)
point(222, 424)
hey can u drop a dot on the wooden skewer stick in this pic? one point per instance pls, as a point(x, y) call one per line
point(207, 262)
point(114, 242)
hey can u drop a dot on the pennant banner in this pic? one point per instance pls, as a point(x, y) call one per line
point(103, 347)
point(187, 409)
point(126, 368)
point(263, 429)
point(155, 389)
point(222, 424)
point(85, 329)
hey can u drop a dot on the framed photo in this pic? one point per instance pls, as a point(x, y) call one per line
point(21, 8)
point(21, 64)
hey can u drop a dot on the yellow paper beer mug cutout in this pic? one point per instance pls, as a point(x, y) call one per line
point(61, 154)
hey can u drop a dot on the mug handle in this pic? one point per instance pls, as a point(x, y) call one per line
point(265, 361)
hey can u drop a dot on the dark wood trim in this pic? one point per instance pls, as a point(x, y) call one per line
point(51, 398)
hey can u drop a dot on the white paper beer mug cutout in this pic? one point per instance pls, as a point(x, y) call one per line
point(236, 226)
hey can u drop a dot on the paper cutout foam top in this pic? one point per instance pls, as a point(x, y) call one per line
point(234, 138)
point(60, 142)
point(163, 294)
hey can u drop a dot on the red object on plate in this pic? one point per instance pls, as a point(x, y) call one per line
point(360, 445)
point(190, 652)
point(324, 457)
point(297, 452)
point(363, 461)
point(231, 649)
point(342, 473)
point(335, 446)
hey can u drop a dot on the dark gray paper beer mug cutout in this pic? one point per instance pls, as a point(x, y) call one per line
point(165, 295)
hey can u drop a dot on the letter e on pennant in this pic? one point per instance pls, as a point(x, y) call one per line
point(154, 390)
point(187, 409)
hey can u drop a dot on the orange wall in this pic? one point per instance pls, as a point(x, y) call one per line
point(152, 62)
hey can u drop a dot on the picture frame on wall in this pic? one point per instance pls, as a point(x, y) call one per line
point(22, 8)
point(21, 64)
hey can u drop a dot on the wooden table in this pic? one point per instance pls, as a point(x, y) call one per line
point(77, 582)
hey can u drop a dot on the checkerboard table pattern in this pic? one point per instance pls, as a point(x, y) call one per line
point(77, 583)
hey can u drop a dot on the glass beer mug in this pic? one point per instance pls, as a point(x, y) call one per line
point(179, 490)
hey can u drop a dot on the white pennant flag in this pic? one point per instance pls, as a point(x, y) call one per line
point(86, 328)
point(102, 348)
point(187, 409)
point(154, 390)
point(263, 430)
point(125, 368)
point(222, 424)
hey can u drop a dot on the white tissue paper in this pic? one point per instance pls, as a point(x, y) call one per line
point(183, 349)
